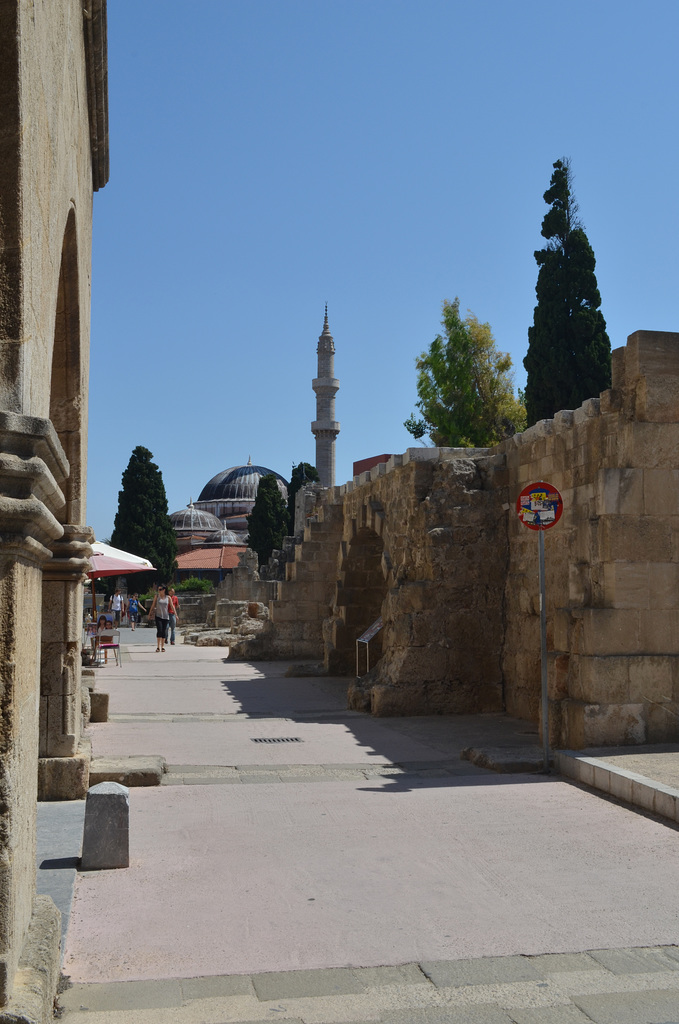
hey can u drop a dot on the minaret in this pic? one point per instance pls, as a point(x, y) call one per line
point(325, 428)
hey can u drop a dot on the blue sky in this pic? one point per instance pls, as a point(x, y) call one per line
point(380, 155)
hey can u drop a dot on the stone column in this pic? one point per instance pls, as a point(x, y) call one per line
point(60, 671)
point(33, 468)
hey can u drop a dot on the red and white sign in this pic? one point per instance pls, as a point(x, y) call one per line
point(539, 506)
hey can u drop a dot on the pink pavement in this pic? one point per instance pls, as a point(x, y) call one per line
point(269, 877)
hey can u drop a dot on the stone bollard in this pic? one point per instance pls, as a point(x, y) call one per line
point(106, 838)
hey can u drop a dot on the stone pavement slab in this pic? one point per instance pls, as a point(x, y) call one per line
point(482, 971)
point(549, 1015)
point(298, 984)
point(451, 1015)
point(59, 842)
point(655, 1007)
point(633, 961)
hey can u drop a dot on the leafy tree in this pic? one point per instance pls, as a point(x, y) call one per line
point(465, 386)
point(569, 354)
point(268, 521)
point(302, 473)
point(142, 525)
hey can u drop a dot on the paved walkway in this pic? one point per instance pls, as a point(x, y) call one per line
point(306, 863)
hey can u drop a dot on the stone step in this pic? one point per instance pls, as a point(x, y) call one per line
point(137, 770)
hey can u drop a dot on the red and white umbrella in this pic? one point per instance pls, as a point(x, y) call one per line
point(108, 561)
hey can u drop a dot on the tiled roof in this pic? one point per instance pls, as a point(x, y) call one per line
point(225, 557)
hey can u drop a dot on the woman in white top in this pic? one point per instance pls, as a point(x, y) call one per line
point(160, 609)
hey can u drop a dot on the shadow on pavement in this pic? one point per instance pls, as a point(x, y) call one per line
point(420, 750)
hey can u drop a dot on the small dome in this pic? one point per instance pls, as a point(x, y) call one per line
point(195, 519)
point(226, 537)
point(239, 483)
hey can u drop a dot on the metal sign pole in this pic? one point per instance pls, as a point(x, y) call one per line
point(543, 653)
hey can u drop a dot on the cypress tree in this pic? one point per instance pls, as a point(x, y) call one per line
point(569, 354)
point(142, 525)
point(268, 521)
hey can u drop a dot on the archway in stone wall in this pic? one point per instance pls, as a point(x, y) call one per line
point(60, 669)
point(66, 400)
point(359, 594)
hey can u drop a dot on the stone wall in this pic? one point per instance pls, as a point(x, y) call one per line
point(53, 154)
point(612, 563)
point(431, 541)
point(438, 584)
point(195, 607)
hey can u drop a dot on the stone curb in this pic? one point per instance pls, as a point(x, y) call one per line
point(549, 982)
point(135, 770)
point(630, 787)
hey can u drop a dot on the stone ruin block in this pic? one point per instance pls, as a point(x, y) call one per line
point(106, 838)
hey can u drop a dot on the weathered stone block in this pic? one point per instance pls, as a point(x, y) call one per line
point(37, 977)
point(665, 802)
point(635, 538)
point(661, 491)
point(64, 778)
point(604, 679)
point(648, 445)
point(106, 836)
point(85, 705)
point(98, 706)
point(663, 584)
point(650, 678)
point(662, 725)
point(135, 770)
point(591, 725)
point(626, 584)
point(610, 631)
point(621, 786)
point(620, 492)
point(561, 624)
point(659, 631)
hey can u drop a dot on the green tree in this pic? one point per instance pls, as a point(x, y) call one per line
point(142, 525)
point(465, 386)
point(268, 521)
point(569, 354)
point(302, 473)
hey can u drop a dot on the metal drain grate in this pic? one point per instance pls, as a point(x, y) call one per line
point(276, 739)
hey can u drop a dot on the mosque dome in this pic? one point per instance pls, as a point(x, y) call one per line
point(239, 483)
point(225, 536)
point(194, 520)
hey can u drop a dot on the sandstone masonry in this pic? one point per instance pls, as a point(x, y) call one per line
point(430, 540)
point(53, 155)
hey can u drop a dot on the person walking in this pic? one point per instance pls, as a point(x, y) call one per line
point(174, 614)
point(117, 606)
point(160, 610)
point(133, 606)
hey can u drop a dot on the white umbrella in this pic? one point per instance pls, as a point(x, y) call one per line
point(108, 561)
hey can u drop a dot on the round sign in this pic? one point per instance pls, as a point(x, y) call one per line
point(539, 506)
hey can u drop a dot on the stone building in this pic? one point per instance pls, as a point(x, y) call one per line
point(53, 156)
point(432, 543)
point(194, 526)
point(230, 496)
